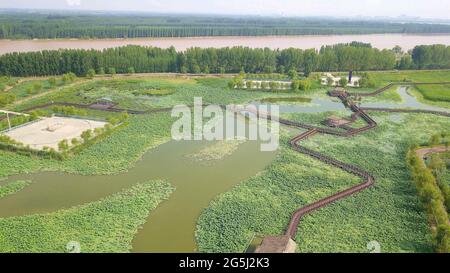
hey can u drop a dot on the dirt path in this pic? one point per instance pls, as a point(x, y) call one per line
point(422, 152)
point(17, 102)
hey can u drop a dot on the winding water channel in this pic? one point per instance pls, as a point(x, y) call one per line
point(171, 226)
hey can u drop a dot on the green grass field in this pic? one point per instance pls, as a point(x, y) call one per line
point(384, 78)
point(435, 92)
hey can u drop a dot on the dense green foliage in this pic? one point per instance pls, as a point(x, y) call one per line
point(13, 187)
point(6, 98)
point(431, 56)
point(108, 225)
point(433, 200)
point(15, 121)
point(67, 25)
point(144, 59)
point(388, 212)
point(342, 57)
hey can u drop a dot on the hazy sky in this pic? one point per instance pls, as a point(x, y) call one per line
point(420, 8)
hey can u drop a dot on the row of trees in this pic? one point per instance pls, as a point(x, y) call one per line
point(89, 136)
point(42, 25)
point(130, 59)
point(434, 197)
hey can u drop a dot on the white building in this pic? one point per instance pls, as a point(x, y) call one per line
point(326, 76)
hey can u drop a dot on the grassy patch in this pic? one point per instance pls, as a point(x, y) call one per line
point(389, 96)
point(28, 88)
point(216, 151)
point(416, 93)
point(108, 225)
point(13, 187)
point(435, 92)
point(6, 82)
point(384, 78)
point(154, 92)
point(286, 99)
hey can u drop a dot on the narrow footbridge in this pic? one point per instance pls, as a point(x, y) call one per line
point(368, 180)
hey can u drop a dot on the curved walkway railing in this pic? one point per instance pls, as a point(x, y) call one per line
point(368, 179)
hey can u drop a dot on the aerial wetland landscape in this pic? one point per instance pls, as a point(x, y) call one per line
point(89, 162)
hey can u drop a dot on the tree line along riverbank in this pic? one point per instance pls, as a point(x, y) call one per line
point(21, 25)
point(138, 59)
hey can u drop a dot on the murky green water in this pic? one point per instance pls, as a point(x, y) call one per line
point(171, 227)
point(408, 101)
point(313, 105)
point(320, 105)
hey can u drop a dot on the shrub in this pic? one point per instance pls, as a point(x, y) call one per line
point(63, 145)
point(432, 199)
point(265, 85)
point(112, 71)
point(7, 98)
point(68, 111)
point(75, 141)
point(366, 81)
point(37, 86)
point(442, 239)
point(52, 81)
point(86, 135)
point(249, 84)
point(304, 85)
point(293, 75)
point(343, 82)
point(330, 81)
point(68, 77)
point(90, 74)
point(101, 71)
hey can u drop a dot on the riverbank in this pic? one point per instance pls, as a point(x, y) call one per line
point(381, 41)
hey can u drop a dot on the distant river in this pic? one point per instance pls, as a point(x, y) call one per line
point(377, 40)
